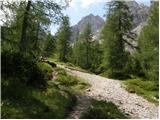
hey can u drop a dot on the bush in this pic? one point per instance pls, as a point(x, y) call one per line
point(60, 71)
point(115, 74)
point(46, 69)
point(24, 67)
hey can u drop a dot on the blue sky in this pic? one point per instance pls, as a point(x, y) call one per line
point(80, 8)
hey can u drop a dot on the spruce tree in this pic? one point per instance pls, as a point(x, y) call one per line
point(82, 48)
point(148, 43)
point(63, 37)
point(118, 23)
point(87, 39)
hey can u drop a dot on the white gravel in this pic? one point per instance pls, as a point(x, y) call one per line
point(111, 90)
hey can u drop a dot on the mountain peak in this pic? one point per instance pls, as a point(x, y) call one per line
point(95, 21)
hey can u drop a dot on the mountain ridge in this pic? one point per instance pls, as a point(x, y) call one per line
point(139, 12)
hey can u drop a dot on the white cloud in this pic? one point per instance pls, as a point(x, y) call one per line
point(87, 3)
point(73, 5)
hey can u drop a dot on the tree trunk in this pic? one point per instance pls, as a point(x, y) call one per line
point(23, 40)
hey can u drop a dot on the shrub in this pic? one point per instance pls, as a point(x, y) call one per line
point(24, 67)
point(117, 74)
point(67, 80)
point(46, 69)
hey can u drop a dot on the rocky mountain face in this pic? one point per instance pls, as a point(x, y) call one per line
point(140, 14)
point(96, 23)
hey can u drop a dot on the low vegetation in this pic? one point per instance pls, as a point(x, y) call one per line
point(103, 110)
point(71, 83)
point(147, 89)
point(27, 102)
point(69, 65)
point(28, 92)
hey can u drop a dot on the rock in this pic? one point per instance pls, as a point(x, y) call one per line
point(88, 90)
point(96, 24)
point(140, 12)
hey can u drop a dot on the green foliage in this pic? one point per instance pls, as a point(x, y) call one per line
point(27, 102)
point(87, 53)
point(72, 83)
point(148, 89)
point(79, 53)
point(63, 37)
point(117, 24)
point(103, 110)
point(86, 38)
point(50, 46)
point(96, 57)
point(149, 45)
point(66, 80)
point(26, 68)
point(46, 69)
point(26, 28)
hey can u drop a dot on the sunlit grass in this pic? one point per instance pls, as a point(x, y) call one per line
point(147, 89)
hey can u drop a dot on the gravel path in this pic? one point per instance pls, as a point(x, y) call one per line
point(110, 90)
point(83, 103)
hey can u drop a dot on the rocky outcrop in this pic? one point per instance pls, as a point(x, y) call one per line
point(140, 12)
point(96, 23)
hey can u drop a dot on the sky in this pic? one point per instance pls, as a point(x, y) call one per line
point(80, 8)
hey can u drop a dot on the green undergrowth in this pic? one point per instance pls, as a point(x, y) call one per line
point(103, 110)
point(69, 65)
point(46, 69)
point(72, 83)
point(147, 89)
point(20, 100)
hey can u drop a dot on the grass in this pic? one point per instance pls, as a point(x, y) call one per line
point(72, 83)
point(46, 69)
point(20, 101)
point(103, 110)
point(147, 89)
point(104, 74)
point(69, 65)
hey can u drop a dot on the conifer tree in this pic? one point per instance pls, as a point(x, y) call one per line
point(63, 37)
point(148, 43)
point(87, 39)
point(82, 48)
point(118, 23)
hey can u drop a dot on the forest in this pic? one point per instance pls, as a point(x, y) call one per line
point(45, 76)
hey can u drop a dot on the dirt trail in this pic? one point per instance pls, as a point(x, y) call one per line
point(111, 90)
point(83, 103)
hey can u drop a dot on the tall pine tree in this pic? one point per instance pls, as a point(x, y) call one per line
point(87, 39)
point(82, 48)
point(149, 44)
point(118, 23)
point(63, 37)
